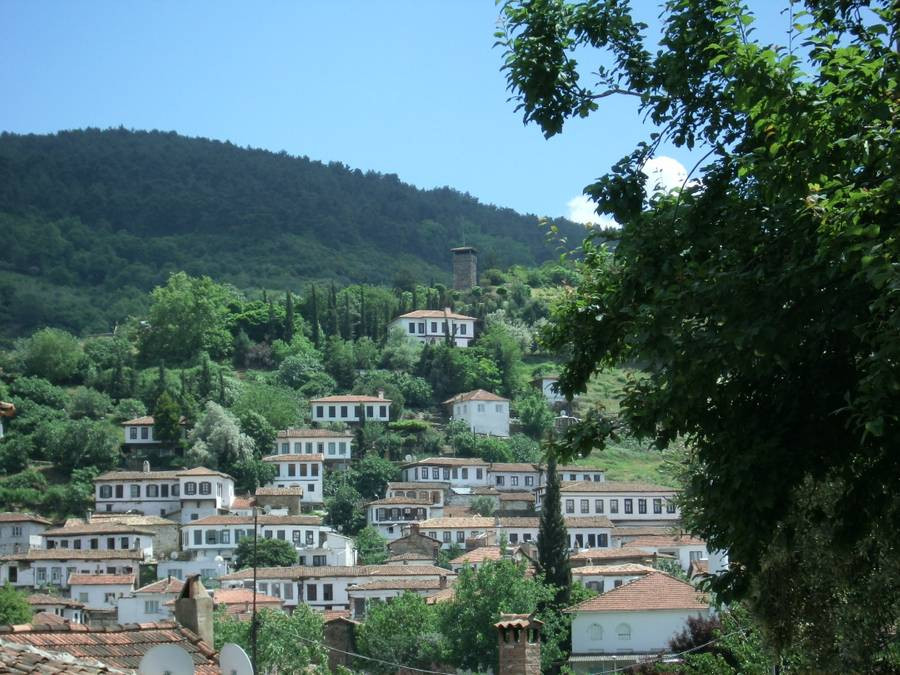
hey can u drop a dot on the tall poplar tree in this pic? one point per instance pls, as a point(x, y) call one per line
point(288, 317)
point(553, 539)
point(314, 311)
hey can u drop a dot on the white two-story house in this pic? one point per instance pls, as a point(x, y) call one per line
point(149, 603)
point(621, 502)
point(195, 493)
point(515, 477)
point(40, 568)
point(350, 408)
point(334, 446)
point(436, 325)
point(456, 472)
point(303, 471)
point(102, 536)
point(390, 514)
point(21, 531)
point(483, 412)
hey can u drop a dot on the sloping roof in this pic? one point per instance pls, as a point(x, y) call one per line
point(19, 658)
point(47, 618)
point(159, 475)
point(386, 501)
point(516, 497)
point(624, 569)
point(642, 530)
point(306, 572)
point(279, 492)
point(477, 522)
point(95, 528)
point(139, 421)
point(313, 433)
point(350, 398)
point(656, 591)
point(13, 517)
point(45, 599)
point(118, 647)
point(434, 314)
point(101, 579)
point(126, 519)
point(167, 585)
point(443, 595)
point(475, 395)
point(203, 471)
point(73, 554)
point(294, 458)
point(515, 467)
point(612, 486)
point(611, 554)
point(241, 503)
point(661, 540)
point(478, 555)
point(335, 614)
point(517, 621)
point(447, 461)
point(262, 520)
point(402, 485)
point(588, 521)
point(242, 596)
point(401, 557)
point(397, 584)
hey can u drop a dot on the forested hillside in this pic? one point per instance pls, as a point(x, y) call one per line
point(93, 219)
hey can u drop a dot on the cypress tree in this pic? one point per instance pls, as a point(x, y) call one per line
point(314, 310)
point(553, 539)
point(334, 323)
point(362, 313)
point(271, 329)
point(160, 385)
point(347, 324)
point(205, 385)
point(288, 318)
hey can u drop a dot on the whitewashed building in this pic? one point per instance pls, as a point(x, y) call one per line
point(573, 473)
point(390, 514)
point(21, 531)
point(100, 593)
point(514, 477)
point(181, 567)
point(194, 493)
point(685, 549)
point(40, 568)
point(149, 603)
point(336, 447)
point(603, 578)
point(547, 385)
point(632, 623)
point(350, 408)
point(454, 471)
point(67, 609)
point(621, 502)
point(427, 491)
point(102, 536)
point(483, 412)
point(303, 471)
point(436, 325)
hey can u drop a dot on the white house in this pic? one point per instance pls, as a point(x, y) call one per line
point(99, 593)
point(602, 578)
point(148, 603)
point(435, 325)
point(685, 549)
point(477, 557)
point(547, 384)
point(621, 502)
point(484, 412)
point(219, 535)
point(453, 471)
point(324, 588)
point(303, 471)
point(574, 473)
point(390, 514)
point(101, 536)
point(195, 493)
point(382, 590)
point(139, 435)
point(209, 569)
point(350, 408)
point(432, 492)
point(632, 623)
point(21, 531)
point(514, 477)
point(65, 608)
point(39, 568)
point(334, 446)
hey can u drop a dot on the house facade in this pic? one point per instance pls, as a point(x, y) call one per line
point(336, 447)
point(40, 568)
point(149, 603)
point(454, 471)
point(303, 471)
point(350, 409)
point(547, 385)
point(100, 593)
point(602, 578)
point(515, 477)
point(390, 514)
point(484, 413)
point(21, 531)
point(101, 537)
point(435, 325)
point(621, 502)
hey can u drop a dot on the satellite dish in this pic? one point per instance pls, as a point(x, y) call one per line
point(166, 660)
point(219, 558)
point(173, 555)
point(408, 458)
point(234, 661)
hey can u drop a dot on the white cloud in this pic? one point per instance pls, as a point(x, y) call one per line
point(664, 174)
point(584, 210)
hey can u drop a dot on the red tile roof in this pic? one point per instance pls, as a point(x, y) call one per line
point(17, 658)
point(263, 520)
point(398, 585)
point(12, 517)
point(159, 475)
point(476, 395)
point(435, 314)
point(665, 541)
point(446, 461)
point(410, 556)
point(611, 554)
point(167, 585)
point(241, 503)
point(95, 528)
point(237, 600)
point(612, 486)
point(403, 485)
point(47, 619)
point(516, 497)
point(45, 599)
point(478, 555)
point(515, 467)
point(334, 614)
point(101, 579)
point(625, 569)
point(350, 398)
point(146, 420)
point(119, 647)
point(475, 522)
point(516, 621)
point(656, 591)
point(307, 572)
point(313, 433)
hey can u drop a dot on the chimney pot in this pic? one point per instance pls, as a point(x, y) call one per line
point(146, 466)
point(380, 392)
point(194, 609)
point(87, 516)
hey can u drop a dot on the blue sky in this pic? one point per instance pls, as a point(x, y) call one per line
point(406, 87)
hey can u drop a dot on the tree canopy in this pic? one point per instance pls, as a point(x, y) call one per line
point(761, 297)
point(269, 553)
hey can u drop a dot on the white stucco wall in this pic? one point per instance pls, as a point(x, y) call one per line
point(484, 417)
point(456, 476)
point(650, 631)
point(134, 608)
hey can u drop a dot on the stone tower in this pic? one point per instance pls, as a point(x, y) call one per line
point(519, 639)
point(465, 267)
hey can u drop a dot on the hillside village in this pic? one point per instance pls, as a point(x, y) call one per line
point(367, 458)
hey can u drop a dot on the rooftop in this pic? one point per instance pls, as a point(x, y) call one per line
point(350, 398)
point(279, 492)
point(387, 501)
point(476, 395)
point(42, 599)
point(435, 314)
point(515, 467)
point(95, 528)
point(624, 569)
point(13, 517)
point(611, 554)
point(313, 433)
point(160, 475)
point(447, 461)
point(20, 658)
point(612, 486)
point(262, 520)
point(242, 596)
point(665, 541)
point(72, 554)
point(307, 572)
point(168, 585)
point(398, 585)
point(476, 522)
point(294, 458)
point(656, 591)
point(101, 580)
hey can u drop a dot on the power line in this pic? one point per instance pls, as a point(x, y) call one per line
point(662, 657)
point(372, 658)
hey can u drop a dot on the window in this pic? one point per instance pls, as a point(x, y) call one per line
point(514, 538)
point(343, 411)
point(613, 505)
point(55, 575)
point(435, 473)
point(465, 474)
point(657, 505)
point(670, 506)
point(285, 448)
point(320, 411)
point(312, 592)
point(500, 480)
point(206, 488)
point(276, 590)
point(598, 506)
point(342, 448)
point(151, 606)
point(314, 470)
point(617, 583)
point(106, 492)
point(280, 534)
point(195, 516)
point(412, 326)
point(95, 544)
point(498, 407)
point(479, 473)
point(332, 411)
point(462, 329)
point(135, 491)
point(292, 469)
point(526, 536)
point(120, 491)
point(132, 433)
point(327, 592)
point(570, 506)
point(225, 536)
point(434, 326)
point(110, 543)
point(289, 591)
point(529, 481)
point(83, 597)
point(585, 505)
point(190, 488)
point(602, 540)
point(642, 506)
point(421, 326)
point(123, 542)
point(198, 537)
point(145, 433)
point(629, 505)
point(460, 537)
point(480, 407)
point(332, 448)
point(446, 537)
point(176, 490)
point(263, 587)
point(152, 491)
point(303, 469)
point(320, 561)
point(382, 410)
point(212, 537)
point(623, 631)
point(695, 555)
point(308, 448)
point(76, 543)
point(514, 481)
point(596, 631)
point(42, 575)
point(370, 411)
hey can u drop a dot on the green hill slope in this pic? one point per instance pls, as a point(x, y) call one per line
point(92, 219)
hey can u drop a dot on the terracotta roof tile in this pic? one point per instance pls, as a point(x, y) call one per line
point(126, 519)
point(167, 585)
point(476, 395)
point(12, 517)
point(443, 595)
point(101, 579)
point(313, 433)
point(435, 314)
point(45, 599)
point(47, 619)
point(475, 522)
point(263, 520)
point(588, 521)
point(146, 420)
point(350, 398)
point(334, 614)
point(516, 497)
point(448, 461)
point(18, 658)
point(515, 467)
point(159, 475)
point(73, 554)
point(397, 584)
point(612, 570)
point(294, 458)
point(241, 598)
point(400, 500)
point(665, 541)
point(656, 591)
point(611, 554)
point(241, 503)
point(307, 572)
point(612, 486)
point(478, 555)
point(409, 556)
point(516, 621)
point(95, 528)
point(119, 646)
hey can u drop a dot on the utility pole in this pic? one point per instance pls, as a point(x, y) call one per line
point(253, 624)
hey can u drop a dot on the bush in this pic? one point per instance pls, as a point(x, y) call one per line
point(50, 353)
point(87, 402)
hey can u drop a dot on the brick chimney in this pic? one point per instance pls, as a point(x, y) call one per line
point(413, 529)
point(380, 392)
point(519, 639)
point(87, 516)
point(194, 609)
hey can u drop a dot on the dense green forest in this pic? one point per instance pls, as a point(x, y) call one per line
point(93, 219)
